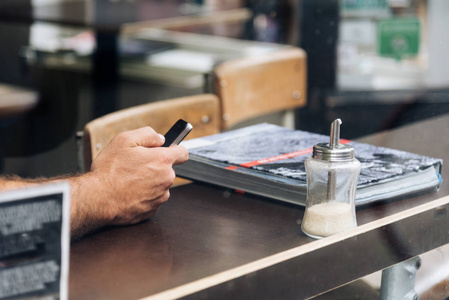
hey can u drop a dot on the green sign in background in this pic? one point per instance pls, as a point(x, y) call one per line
point(399, 37)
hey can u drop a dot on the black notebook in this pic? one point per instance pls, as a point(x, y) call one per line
point(268, 160)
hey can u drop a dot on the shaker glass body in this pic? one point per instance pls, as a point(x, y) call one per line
point(331, 188)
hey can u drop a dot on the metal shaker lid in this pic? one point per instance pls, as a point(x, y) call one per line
point(333, 151)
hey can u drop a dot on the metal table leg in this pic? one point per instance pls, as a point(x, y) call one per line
point(398, 281)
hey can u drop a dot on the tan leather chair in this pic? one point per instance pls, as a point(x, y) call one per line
point(202, 111)
point(254, 86)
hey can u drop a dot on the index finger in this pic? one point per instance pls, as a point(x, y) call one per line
point(178, 153)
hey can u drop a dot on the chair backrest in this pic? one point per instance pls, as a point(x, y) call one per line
point(254, 86)
point(202, 111)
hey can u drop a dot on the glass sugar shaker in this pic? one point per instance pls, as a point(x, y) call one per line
point(332, 175)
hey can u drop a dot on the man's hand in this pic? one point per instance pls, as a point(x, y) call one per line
point(129, 180)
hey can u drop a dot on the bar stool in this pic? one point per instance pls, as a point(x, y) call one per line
point(16, 100)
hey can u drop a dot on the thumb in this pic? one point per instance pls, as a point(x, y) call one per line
point(145, 137)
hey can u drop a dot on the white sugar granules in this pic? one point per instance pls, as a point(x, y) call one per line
point(328, 218)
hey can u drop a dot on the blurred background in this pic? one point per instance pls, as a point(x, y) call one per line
point(376, 64)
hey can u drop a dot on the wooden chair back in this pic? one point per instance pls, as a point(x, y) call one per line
point(255, 86)
point(202, 111)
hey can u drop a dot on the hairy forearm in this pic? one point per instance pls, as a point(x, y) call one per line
point(86, 212)
point(89, 209)
point(128, 182)
point(14, 182)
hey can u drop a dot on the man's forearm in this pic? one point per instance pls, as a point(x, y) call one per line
point(127, 183)
point(88, 210)
point(85, 213)
point(14, 182)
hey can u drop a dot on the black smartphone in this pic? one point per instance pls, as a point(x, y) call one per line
point(177, 133)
